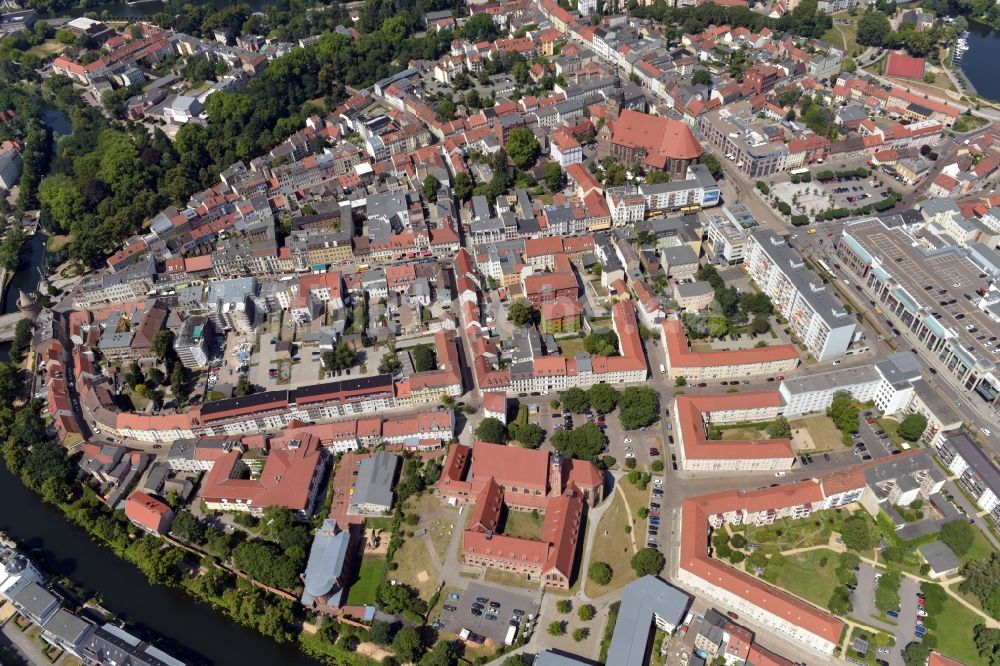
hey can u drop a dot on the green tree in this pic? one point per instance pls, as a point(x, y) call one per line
point(779, 428)
point(760, 324)
point(341, 357)
point(601, 343)
point(430, 188)
point(515, 660)
point(492, 430)
point(583, 443)
point(915, 653)
point(912, 427)
point(522, 147)
point(575, 400)
point(445, 110)
point(557, 628)
point(844, 411)
point(424, 358)
point(603, 398)
point(887, 590)
point(648, 562)
point(873, 28)
point(463, 186)
point(243, 387)
point(857, 533)
point(408, 645)
point(397, 598)
point(520, 312)
point(600, 573)
point(586, 612)
point(680, 381)
point(564, 605)
point(188, 528)
point(987, 644)
point(840, 601)
point(958, 535)
point(638, 407)
point(552, 174)
point(712, 164)
point(701, 77)
point(580, 634)
point(530, 435)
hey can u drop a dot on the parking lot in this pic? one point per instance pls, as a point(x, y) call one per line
point(847, 192)
point(863, 600)
point(874, 445)
point(463, 616)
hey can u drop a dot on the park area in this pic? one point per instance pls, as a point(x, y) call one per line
point(612, 543)
point(811, 575)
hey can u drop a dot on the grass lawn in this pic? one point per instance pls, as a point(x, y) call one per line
point(56, 243)
point(891, 426)
point(613, 547)
point(786, 534)
point(981, 547)
point(701, 346)
point(968, 123)
point(570, 347)
point(414, 561)
point(369, 576)
point(824, 434)
point(742, 433)
point(954, 632)
point(525, 524)
point(811, 575)
point(47, 48)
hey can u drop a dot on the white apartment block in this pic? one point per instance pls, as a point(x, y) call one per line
point(815, 315)
point(626, 205)
point(810, 394)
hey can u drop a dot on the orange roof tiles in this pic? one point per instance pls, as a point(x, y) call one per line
point(689, 410)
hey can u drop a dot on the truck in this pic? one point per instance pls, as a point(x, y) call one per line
point(511, 635)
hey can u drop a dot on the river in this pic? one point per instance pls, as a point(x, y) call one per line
point(980, 61)
point(189, 630)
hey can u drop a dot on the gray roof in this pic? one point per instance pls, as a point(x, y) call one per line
point(939, 556)
point(67, 627)
point(679, 255)
point(326, 563)
point(831, 381)
point(692, 289)
point(374, 482)
point(975, 458)
point(943, 411)
point(811, 287)
point(550, 658)
point(900, 468)
point(35, 600)
point(642, 600)
point(113, 645)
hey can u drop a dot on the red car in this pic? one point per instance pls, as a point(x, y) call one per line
point(654, 451)
point(779, 378)
point(921, 602)
point(871, 421)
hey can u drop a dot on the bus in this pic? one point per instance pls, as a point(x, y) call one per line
point(822, 264)
point(798, 172)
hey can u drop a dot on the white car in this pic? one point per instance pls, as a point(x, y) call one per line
point(628, 440)
point(985, 431)
point(779, 474)
point(628, 448)
point(630, 455)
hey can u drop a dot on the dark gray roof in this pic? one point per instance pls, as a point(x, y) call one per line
point(900, 369)
point(939, 556)
point(643, 599)
point(975, 458)
point(550, 658)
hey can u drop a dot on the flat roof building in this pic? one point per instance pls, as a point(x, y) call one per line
point(816, 317)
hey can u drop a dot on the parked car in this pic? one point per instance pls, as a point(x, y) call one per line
point(450, 608)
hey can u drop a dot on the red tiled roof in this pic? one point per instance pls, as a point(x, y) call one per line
point(678, 354)
point(689, 410)
point(146, 510)
point(659, 136)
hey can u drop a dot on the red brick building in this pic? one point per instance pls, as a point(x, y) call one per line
point(499, 479)
point(654, 142)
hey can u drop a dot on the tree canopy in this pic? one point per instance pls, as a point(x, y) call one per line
point(491, 430)
point(522, 147)
point(648, 562)
point(584, 443)
point(912, 427)
point(958, 535)
point(575, 400)
point(638, 407)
